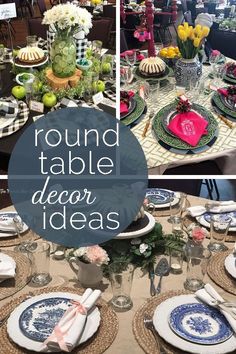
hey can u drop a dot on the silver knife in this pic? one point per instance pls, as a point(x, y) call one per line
point(152, 277)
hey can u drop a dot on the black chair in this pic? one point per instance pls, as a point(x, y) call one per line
point(192, 187)
point(24, 8)
point(88, 8)
point(101, 31)
point(210, 7)
point(36, 28)
point(206, 167)
point(41, 6)
point(109, 11)
point(222, 41)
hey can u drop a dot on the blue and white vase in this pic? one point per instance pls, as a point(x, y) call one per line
point(187, 70)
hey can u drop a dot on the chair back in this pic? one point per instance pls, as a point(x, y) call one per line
point(109, 11)
point(188, 17)
point(41, 6)
point(88, 8)
point(36, 28)
point(184, 6)
point(101, 31)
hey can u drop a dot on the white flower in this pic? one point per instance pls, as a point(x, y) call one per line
point(143, 247)
point(79, 252)
point(135, 241)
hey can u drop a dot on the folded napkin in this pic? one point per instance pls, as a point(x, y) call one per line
point(124, 102)
point(7, 224)
point(68, 331)
point(225, 92)
point(7, 269)
point(8, 109)
point(210, 296)
point(139, 56)
point(189, 127)
point(217, 207)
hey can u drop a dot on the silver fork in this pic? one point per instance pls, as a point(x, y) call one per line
point(148, 323)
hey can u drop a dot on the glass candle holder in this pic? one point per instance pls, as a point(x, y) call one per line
point(39, 254)
point(176, 261)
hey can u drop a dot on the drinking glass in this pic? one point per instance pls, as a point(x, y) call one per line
point(197, 261)
point(131, 57)
point(121, 283)
point(97, 48)
point(2, 52)
point(219, 229)
point(107, 66)
point(144, 89)
point(178, 204)
point(176, 261)
point(220, 72)
point(88, 88)
point(31, 41)
point(29, 89)
point(154, 87)
point(39, 255)
point(125, 75)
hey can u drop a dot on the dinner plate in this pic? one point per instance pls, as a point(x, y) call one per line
point(161, 324)
point(13, 324)
point(4, 257)
point(153, 194)
point(228, 103)
point(137, 113)
point(6, 215)
point(175, 142)
point(148, 227)
point(205, 219)
point(222, 108)
point(230, 265)
point(132, 105)
point(199, 323)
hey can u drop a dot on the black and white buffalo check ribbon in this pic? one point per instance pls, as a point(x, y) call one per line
point(21, 117)
point(110, 91)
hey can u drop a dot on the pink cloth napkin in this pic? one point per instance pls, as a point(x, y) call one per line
point(124, 107)
point(189, 127)
point(223, 92)
point(139, 56)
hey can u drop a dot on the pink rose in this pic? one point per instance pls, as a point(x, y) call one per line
point(96, 254)
point(215, 53)
point(199, 234)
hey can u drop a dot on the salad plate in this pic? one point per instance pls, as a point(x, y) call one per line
point(161, 197)
point(199, 323)
point(221, 107)
point(33, 319)
point(205, 219)
point(5, 216)
point(230, 265)
point(163, 328)
point(137, 114)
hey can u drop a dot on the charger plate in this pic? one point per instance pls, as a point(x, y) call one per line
point(217, 272)
point(23, 271)
point(175, 142)
point(137, 113)
point(132, 105)
point(98, 344)
point(218, 103)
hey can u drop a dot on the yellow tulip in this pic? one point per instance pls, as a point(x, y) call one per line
point(196, 42)
point(182, 35)
point(205, 31)
point(185, 25)
point(180, 27)
point(198, 31)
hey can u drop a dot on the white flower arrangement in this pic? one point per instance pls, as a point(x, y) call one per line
point(91, 254)
point(68, 18)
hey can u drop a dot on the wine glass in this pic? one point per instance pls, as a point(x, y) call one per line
point(131, 57)
point(125, 75)
point(220, 72)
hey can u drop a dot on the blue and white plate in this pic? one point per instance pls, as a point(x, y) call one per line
point(159, 196)
point(39, 314)
point(39, 319)
point(199, 323)
point(205, 219)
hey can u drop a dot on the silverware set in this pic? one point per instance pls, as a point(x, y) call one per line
point(148, 323)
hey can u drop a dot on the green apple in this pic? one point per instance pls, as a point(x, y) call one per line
point(106, 68)
point(49, 99)
point(18, 92)
point(15, 52)
point(101, 86)
point(89, 53)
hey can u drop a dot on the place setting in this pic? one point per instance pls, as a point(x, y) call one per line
point(132, 108)
point(202, 322)
point(223, 101)
point(13, 231)
point(185, 128)
point(58, 320)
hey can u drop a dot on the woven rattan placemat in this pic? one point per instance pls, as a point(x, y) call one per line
point(15, 240)
point(231, 237)
point(143, 336)
point(101, 340)
point(23, 271)
point(217, 272)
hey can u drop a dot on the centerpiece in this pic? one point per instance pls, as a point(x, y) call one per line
point(65, 21)
point(189, 41)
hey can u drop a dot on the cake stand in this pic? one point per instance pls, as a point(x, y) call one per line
point(35, 65)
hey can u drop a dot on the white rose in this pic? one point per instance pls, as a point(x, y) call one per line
point(135, 241)
point(143, 247)
point(80, 252)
